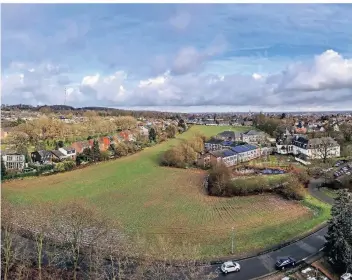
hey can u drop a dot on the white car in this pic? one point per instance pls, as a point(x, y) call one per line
point(230, 266)
point(346, 276)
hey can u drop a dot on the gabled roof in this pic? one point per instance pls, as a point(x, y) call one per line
point(44, 153)
point(58, 154)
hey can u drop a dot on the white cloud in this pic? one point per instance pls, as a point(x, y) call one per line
point(181, 20)
point(326, 80)
point(328, 71)
point(90, 80)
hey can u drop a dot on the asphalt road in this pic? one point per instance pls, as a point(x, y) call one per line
point(261, 265)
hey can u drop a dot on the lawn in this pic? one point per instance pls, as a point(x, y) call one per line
point(154, 201)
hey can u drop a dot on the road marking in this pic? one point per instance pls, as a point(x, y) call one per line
point(321, 249)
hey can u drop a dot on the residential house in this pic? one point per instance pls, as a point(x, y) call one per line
point(229, 135)
point(42, 157)
point(58, 155)
point(253, 136)
point(104, 143)
point(13, 160)
point(144, 131)
point(80, 146)
point(284, 146)
point(300, 128)
point(68, 152)
point(127, 136)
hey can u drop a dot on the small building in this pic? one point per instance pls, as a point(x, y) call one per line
point(253, 136)
point(58, 155)
point(80, 146)
point(13, 160)
point(69, 152)
point(42, 157)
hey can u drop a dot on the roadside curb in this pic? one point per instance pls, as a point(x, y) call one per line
point(274, 248)
point(307, 260)
point(279, 246)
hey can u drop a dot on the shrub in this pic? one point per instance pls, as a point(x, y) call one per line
point(293, 189)
point(219, 180)
point(174, 157)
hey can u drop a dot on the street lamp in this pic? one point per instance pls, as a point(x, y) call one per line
point(232, 239)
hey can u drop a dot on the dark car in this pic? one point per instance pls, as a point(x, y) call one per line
point(285, 262)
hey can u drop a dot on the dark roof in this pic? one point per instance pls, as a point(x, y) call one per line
point(44, 153)
point(58, 154)
point(253, 132)
point(223, 153)
point(227, 143)
point(243, 148)
point(227, 133)
point(214, 141)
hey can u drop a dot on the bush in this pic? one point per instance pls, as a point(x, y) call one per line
point(64, 166)
point(292, 190)
point(219, 180)
point(183, 155)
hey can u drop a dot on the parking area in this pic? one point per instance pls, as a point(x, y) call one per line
point(343, 168)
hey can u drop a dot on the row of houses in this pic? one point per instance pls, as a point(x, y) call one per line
point(14, 160)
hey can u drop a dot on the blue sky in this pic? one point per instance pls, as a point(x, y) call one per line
point(255, 56)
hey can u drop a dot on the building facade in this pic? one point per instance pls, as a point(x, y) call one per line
point(14, 161)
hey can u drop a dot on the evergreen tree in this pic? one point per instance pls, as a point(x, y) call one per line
point(152, 134)
point(339, 237)
point(3, 168)
point(96, 151)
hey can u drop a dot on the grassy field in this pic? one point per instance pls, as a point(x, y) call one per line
point(154, 201)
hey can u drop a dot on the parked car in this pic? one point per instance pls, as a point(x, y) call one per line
point(346, 276)
point(285, 262)
point(230, 266)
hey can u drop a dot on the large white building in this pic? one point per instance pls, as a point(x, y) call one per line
point(315, 148)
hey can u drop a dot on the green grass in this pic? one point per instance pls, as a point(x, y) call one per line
point(153, 201)
point(329, 192)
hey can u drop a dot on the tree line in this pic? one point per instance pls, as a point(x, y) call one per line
point(75, 241)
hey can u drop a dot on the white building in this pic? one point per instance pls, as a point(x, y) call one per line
point(14, 161)
point(316, 148)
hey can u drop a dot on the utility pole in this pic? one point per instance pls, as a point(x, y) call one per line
point(232, 239)
point(65, 96)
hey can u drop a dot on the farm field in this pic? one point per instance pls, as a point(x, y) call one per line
point(153, 201)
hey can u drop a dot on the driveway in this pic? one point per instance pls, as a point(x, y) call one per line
point(261, 265)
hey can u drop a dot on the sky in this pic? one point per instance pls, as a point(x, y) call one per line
point(179, 57)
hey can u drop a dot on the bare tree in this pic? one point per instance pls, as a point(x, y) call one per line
point(323, 148)
point(78, 226)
